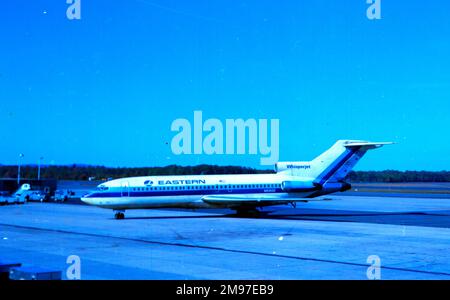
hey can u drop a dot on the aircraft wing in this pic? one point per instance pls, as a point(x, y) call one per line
point(253, 200)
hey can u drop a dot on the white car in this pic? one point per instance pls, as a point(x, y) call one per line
point(36, 196)
point(6, 198)
point(62, 195)
point(3, 198)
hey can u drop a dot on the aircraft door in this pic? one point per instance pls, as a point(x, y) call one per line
point(125, 189)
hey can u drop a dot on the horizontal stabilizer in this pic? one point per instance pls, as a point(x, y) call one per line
point(367, 145)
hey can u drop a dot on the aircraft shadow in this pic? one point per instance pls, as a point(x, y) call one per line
point(177, 217)
point(434, 219)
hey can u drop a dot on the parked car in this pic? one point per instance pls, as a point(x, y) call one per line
point(36, 196)
point(62, 195)
point(3, 198)
point(9, 200)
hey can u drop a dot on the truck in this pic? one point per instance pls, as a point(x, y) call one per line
point(22, 194)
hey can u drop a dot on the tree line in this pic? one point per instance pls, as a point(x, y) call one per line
point(84, 172)
point(399, 176)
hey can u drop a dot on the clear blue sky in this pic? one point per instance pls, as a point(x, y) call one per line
point(105, 89)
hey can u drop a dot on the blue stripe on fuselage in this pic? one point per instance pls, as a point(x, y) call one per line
point(182, 192)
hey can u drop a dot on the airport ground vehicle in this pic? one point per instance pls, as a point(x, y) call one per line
point(36, 196)
point(62, 195)
point(3, 196)
point(6, 198)
point(21, 195)
point(19, 200)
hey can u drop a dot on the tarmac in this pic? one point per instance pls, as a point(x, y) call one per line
point(316, 240)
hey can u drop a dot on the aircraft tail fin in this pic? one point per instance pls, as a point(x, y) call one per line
point(333, 165)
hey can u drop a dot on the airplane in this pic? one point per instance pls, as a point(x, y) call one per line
point(292, 182)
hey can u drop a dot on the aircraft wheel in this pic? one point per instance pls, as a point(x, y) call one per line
point(119, 216)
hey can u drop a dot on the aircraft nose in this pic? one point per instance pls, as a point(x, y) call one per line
point(87, 198)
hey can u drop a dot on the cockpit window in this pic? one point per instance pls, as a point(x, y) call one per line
point(102, 188)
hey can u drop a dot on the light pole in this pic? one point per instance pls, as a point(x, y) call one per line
point(39, 167)
point(18, 173)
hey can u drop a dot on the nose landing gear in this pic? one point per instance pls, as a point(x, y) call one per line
point(119, 214)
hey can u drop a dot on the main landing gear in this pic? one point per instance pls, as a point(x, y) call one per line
point(119, 214)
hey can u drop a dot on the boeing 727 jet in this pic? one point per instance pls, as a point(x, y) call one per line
point(293, 182)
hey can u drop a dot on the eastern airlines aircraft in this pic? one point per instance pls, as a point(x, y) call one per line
point(293, 182)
